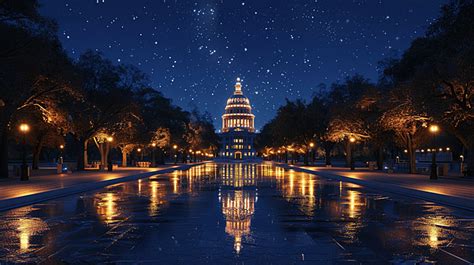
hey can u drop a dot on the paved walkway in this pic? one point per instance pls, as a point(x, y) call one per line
point(15, 193)
point(453, 192)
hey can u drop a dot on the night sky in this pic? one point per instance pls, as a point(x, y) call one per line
point(194, 50)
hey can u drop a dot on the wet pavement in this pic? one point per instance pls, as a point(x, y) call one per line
point(236, 214)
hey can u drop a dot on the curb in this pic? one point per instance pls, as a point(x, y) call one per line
point(457, 202)
point(17, 202)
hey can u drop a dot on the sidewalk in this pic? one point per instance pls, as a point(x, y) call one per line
point(452, 192)
point(15, 193)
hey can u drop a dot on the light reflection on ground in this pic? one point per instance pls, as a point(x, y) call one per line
point(236, 213)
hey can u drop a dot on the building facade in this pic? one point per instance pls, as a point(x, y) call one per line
point(238, 131)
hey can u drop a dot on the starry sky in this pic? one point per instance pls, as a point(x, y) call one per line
point(193, 50)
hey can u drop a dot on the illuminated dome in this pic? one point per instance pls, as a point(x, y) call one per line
point(238, 112)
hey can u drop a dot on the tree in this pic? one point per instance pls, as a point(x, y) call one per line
point(161, 138)
point(409, 126)
point(201, 133)
point(104, 107)
point(439, 68)
point(349, 112)
point(47, 130)
point(24, 84)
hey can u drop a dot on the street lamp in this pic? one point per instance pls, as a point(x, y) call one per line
point(175, 147)
point(351, 143)
point(61, 148)
point(311, 152)
point(434, 129)
point(153, 163)
point(198, 155)
point(110, 139)
point(192, 154)
point(24, 129)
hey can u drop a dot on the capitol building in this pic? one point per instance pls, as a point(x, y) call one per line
point(238, 131)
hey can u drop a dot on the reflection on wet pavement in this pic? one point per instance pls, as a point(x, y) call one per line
point(238, 214)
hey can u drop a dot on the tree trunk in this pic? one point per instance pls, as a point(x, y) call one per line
point(82, 157)
point(327, 153)
point(379, 157)
point(124, 159)
point(469, 171)
point(161, 157)
point(306, 158)
point(4, 151)
point(411, 155)
point(184, 157)
point(37, 150)
point(103, 150)
point(36, 155)
point(348, 153)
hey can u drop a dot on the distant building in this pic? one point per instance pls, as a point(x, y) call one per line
point(238, 131)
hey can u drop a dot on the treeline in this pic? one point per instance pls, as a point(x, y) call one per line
point(432, 83)
point(90, 100)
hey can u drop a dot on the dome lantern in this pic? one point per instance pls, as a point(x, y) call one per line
point(238, 112)
point(238, 87)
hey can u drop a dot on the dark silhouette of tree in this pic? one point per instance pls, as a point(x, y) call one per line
point(104, 106)
point(439, 68)
point(35, 74)
point(201, 135)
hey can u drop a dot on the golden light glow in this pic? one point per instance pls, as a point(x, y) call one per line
point(352, 139)
point(24, 128)
point(311, 145)
point(26, 228)
point(139, 187)
point(238, 112)
point(157, 193)
point(435, 228)
point(139, 150)
point(238, 208)
point(175, 146)
point(110, 139)
point(153, 144)
point(352, 203)
point(434, 128)
point(107, 207)
point(175, 180)
point(61, 146)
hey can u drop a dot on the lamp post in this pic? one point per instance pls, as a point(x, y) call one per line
point(198, 153)
point(110, 166)
point(311, 152)
point(191, 154)
point(153, 163)
point(434, 129)
point(139, 150)
point(25, 174)
point(351, 143)
point(175, 148)
point(61, 148)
